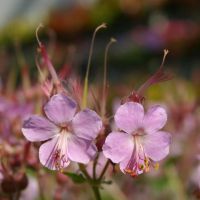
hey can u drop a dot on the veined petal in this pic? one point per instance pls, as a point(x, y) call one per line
point(156, 146)
point(154, 119)
point(80, 150)
point(87, 124)
point(133, 164)
point(135, 171)
point(60, 109)
point(118, 146)
point(52, 154)
point(37, 128)
point(129, 116)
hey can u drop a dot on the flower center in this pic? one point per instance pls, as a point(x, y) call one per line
point(65, 128)
point(58, 158)
point(139, 132)
point(139, 161)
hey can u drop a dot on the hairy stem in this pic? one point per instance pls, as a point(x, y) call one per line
point(85, 89)
point(94, 167)
point(104, 93)
point(96, 192)
point(104, 170)
point(92, 182)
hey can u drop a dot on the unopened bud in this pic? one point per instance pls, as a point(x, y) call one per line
point(8, 186)
point(21, 181)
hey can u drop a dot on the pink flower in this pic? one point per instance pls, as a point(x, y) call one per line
point(139, 143)
point(69, 136)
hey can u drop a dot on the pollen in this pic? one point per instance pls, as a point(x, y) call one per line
point(130, 172)
point(156, 166)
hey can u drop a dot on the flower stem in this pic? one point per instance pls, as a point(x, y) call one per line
point(83, 170)
point(94, 166)
point(104, 170)
point(104, 92)
point(96, 192)
point(92, 182)
point(85, 88)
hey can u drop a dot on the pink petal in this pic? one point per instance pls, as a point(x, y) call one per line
point(156, 145)
point(118, 146)
point(52, 155)
point(133, 160)
point(123, 164)
point(87, 124)
point(80, 150)
point(38, 128)
point(129, 116)
point(60, 109)
point(154, 119)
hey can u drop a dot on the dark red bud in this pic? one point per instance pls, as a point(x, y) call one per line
point(14, 183)
point(8, 186)
point(21, 181)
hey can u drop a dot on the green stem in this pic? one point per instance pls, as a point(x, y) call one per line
point(94, 167)
point(84, 171)
point(41, 193)
point(96, 192)
point(85, 87)
point(104, 92)
point(92, 182)
point(104, 170)
point(17, 195)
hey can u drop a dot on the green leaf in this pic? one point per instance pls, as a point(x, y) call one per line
point(76, 178)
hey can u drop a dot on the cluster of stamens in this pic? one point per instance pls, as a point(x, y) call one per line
point(139, 161)
point(59, 160)
point(57, 157)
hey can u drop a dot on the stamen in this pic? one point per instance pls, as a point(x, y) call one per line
point(156, 166)
point(57, 157)
point(139, 162)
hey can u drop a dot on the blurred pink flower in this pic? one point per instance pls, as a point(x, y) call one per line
point(70, 136)
point(32, 190)
point(139, 143)
point(12, 113)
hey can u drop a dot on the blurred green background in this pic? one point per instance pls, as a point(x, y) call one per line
point(142, 28)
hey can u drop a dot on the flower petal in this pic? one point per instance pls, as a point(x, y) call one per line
point(52, 155)
point(117, 146)
point(60, 109)
point(154, 119)
point(156, 146)
point(133, 160)
point(124, 163)
point(87, 124)
point(37, 128)
point(80, 150)
point(129, 116)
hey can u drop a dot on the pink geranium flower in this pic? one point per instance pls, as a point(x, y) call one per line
point(139, 143)
point(68, 136)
